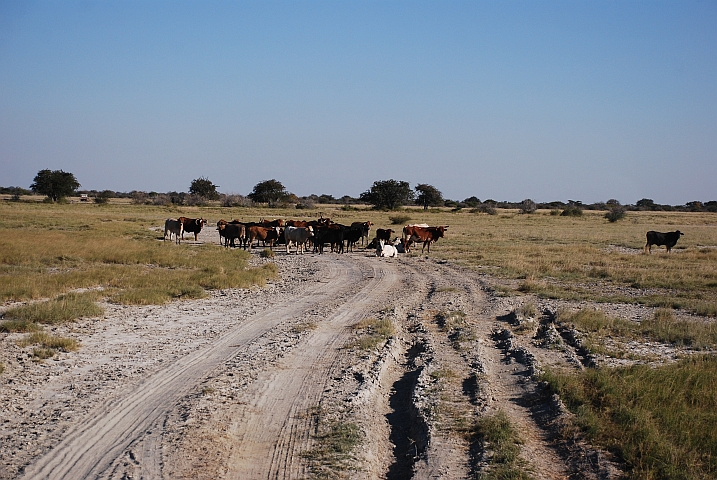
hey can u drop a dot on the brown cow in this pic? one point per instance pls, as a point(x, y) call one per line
point(424, 235)
point(265, 234)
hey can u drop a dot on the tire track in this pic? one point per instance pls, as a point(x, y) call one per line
point(273, 429)
point(91, 447)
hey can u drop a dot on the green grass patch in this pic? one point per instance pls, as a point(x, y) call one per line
point(659, 421)
point(372, 333)
point(663, 327)
point(500, 437)
point(332, 454)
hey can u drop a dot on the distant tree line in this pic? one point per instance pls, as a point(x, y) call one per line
point(383, 194)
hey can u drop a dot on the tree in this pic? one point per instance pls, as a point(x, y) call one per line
point(528, 206)
point(204, 188)
point(428, 195)
point(56, 184)
point(268, 191)
point(388, 194)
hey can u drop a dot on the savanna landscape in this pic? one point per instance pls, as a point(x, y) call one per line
point(524, 346)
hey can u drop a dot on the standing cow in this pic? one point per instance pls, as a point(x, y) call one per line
point(298, 236)
point(425, 235)
point(192, 225)
point(668, 239)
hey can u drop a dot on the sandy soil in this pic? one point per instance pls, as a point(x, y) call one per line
point(244, 384)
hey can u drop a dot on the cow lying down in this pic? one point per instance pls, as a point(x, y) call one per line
point(386, 250)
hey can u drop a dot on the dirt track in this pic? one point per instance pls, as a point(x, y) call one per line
point(243, 384)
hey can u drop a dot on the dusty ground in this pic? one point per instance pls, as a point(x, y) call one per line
point(246, 383)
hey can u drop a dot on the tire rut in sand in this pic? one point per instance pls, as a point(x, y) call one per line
point(273, 428)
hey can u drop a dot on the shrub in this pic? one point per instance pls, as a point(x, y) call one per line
point(485, 208)
point(235, 201)
point(616, 212)
point(399, 219)
point(571, 211)
point(267, 253)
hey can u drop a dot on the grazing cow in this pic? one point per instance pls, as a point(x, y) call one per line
point(298, 236)
point(265, 234)
point(386, 250)
point(192, 225)
point(364, 228)
point(424, 235)
point(668, 239)
point(230, 232)
point(172, 226)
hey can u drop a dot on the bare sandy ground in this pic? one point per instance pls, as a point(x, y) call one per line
point(244, 384)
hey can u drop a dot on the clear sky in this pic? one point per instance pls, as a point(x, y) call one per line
point(548, 100)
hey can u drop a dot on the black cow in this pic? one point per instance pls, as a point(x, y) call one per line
point(334, 236)
point(668, 239)
point(192, 225)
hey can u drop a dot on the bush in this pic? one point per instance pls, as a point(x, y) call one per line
point(571, 211)
point(616, 212)
point(235, 201)
point(485, 208)
point(267, 253)
point(399, 219)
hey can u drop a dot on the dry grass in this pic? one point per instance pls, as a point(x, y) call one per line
point(46, 251)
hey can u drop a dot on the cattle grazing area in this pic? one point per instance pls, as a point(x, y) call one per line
point(352, 353)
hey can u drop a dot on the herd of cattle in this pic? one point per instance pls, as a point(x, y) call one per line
point(316, 234)
point(341, 238)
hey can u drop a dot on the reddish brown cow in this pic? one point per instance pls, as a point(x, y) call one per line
point(271, 223)
point(265, 234)
point(424, 235)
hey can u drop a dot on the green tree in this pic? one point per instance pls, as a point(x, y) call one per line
point(428, 195)
point(204, 188)
point(388, 194)
point(268, 191)
point(55, 184)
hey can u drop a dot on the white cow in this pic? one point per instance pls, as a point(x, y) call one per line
point(299, 236)
point(175, 227)
point(386, 250)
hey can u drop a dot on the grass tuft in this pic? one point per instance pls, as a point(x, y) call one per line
point(62, 309)
point(500, 437)
point(375, 333)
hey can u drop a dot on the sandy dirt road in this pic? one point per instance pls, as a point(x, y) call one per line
point(90, 448)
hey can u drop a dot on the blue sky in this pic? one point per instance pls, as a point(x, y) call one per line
point(580, 100)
